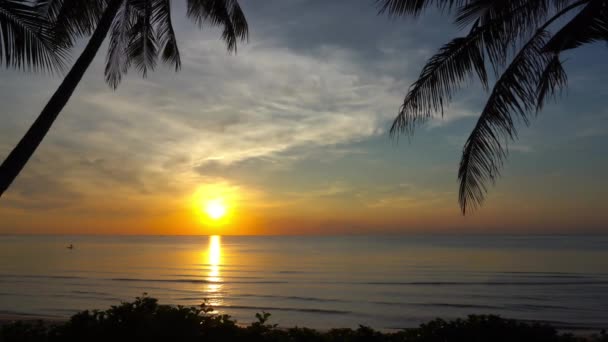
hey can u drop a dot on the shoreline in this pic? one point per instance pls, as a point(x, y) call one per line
point(7, 318)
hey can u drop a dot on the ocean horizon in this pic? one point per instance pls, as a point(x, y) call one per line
point(385, 281)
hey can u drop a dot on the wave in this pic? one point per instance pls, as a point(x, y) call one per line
point(270, 308)
point(196, 281)
point(487, 283)
point(460, 306)
point(39, 276)
point(258, 280)
point(537, 307)
point(91, 293)
point(108, 298)
point(202, 276)
point(301, 298)
point(445, 305)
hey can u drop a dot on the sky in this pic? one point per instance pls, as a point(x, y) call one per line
point(290, 134)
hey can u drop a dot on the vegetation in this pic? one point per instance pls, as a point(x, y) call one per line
point(141, 32)
point(26, 37)
point(146, 320)
point(521, 41)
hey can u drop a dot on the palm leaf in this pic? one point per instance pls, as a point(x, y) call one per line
point(117, 61)
point(461, 59)
point(522, 87)
point(529, 12)
point(415, 7)
point(510, 22)
point(167, 41)
point(143, 45)
point(500, 31)
point(74, 19)
point(239, 22)
point(225, 13)
point(552, 81)
point(590, 25)
point(26, 41)
point(440, 77)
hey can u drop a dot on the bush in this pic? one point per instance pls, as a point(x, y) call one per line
point(145, 320)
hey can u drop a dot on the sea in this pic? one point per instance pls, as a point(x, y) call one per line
point(384, 282)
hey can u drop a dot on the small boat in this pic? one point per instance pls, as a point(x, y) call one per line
point(70, 246)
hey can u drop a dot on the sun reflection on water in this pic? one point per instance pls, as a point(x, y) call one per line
point(214, 263)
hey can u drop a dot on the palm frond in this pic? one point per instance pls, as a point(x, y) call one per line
point(239, 22)
point(117, 61)
point(511, 37)
point(589, 25)
point(26, 41)
point(440, 77)
point(515, 95)
point(552, 81)
point(529, 12)
point(143, 30)
point(415, 7)
point(73, 19)
point(509, 23)
point(143, 45)
point(462, 58)
point(224, 13)
point(167, 41)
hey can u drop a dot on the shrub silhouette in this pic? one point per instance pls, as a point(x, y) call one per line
point(146, 320)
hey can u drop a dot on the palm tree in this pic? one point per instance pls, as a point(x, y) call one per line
point(26, 40)
point(141, 32)
point(521, 42)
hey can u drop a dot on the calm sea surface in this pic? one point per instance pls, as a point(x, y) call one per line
point(322, 282)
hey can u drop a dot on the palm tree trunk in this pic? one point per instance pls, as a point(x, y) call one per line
point(19, 156)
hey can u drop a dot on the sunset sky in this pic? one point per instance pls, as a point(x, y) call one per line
point(291, 134)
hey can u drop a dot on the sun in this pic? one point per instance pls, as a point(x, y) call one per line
point(213, 205)
point(215, 209)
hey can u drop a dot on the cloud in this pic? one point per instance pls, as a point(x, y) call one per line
point(228, 109)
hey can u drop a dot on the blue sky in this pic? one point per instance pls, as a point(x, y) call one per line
point(292, 132)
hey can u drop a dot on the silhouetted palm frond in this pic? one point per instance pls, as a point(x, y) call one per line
point(26, 40)
point(514, 39)
point(590, 25)
point(514, 96)
point(440, 77)
point(73, 19)
point(225, 13)
point(551, 82)
point(117, 60)
point(530, 12)
point(456, 62)
point(143, 31)
point(505, 24)
point(415, 7)
point(143, 47)
point(166, 35)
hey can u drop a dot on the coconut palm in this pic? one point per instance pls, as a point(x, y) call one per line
point(26, 41)
point(141, 33)
point(521, 42)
